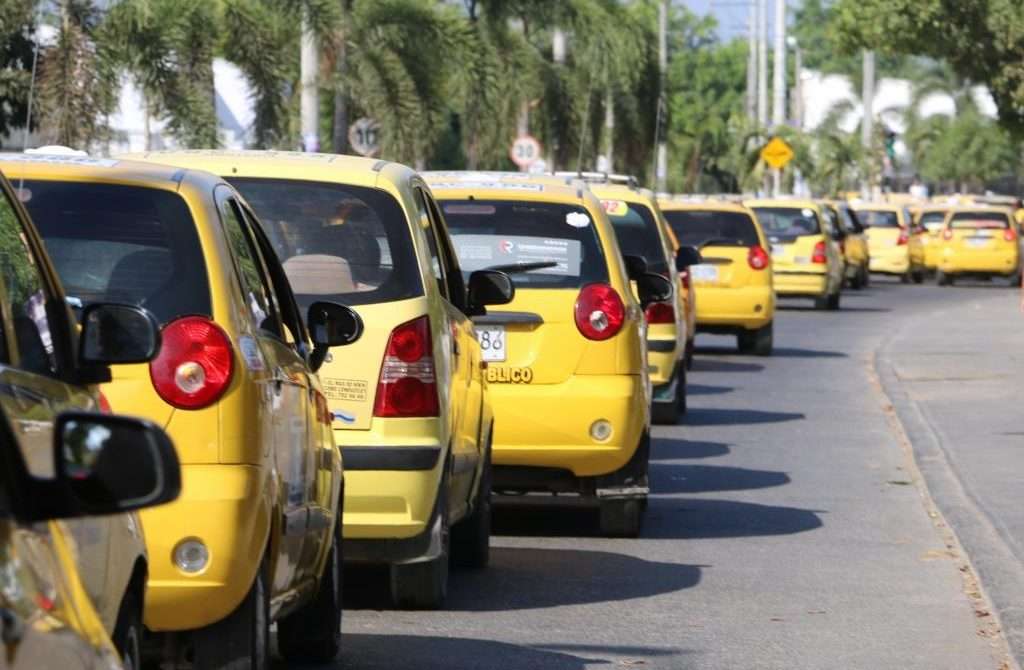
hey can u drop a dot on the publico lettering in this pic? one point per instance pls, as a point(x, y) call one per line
point(496, 375)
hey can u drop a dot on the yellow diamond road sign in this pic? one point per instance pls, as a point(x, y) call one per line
point(777, 153)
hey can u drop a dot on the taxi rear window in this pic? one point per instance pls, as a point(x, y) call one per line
point(697, 228)
point(637, 233)
point(979, 221)
point(127, 244)
point(349, 244)
point(932, 219)
point(878, 218)
point(544, 245)
point(788, 223)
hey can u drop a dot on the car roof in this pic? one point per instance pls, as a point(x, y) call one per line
point(1002, 209)
point(879, 206)
point(622, 192)
point(701, 205)
point(456, 185)
point(791, 203)
point(296, 165)
point(58, 167)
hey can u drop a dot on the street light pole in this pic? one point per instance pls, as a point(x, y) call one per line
point(762, 63)
point(309, 103)
point(752, 61)
point(661, 166)
point(868, 117)
point(779, 83)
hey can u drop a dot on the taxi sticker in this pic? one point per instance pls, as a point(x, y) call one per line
point(353, 390)
point(615, 207)
point(251, 353)
point(807, 211)
point(577, 219)
point(502, 375)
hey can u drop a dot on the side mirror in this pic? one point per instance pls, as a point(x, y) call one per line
point(113, 334)
point(331, 325)
point(109, 464)
point(635, 265)
point(651, 287)
point(488, 287)
point(687, 256)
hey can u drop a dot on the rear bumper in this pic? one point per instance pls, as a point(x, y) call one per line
point(801, 283)
point(548, 426)
point(748, 307)
point(893, 260)
point(662, 356)
point(1002, 263)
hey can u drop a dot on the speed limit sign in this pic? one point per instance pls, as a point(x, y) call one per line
point(525, 150)
point(364, 137)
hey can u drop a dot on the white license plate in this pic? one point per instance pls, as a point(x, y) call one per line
point(978, 241)
point(708, 273)
point(492, 342)
point(778, 250)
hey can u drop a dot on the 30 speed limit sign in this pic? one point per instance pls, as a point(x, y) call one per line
point(525, 150)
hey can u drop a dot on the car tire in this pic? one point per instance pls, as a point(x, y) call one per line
point(690, 346)
point(128, 630)
point(471, 537)
point(313, 633)
point(918, 276)
point(832, 302)
point(622, 517)
point(943, 279)
point(241, 640)
point(865, 280)
point(424, 585)
point(764, 340)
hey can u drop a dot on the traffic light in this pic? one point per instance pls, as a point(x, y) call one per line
point(890, 144)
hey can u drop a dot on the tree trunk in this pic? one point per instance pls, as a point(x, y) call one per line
point(309, 105)
point(340, 122)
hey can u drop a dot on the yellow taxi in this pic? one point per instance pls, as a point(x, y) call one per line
point(979, 241)
point(734, 277)
point(568, 361)
point(806, 258)
point(70, 588)
point(255, 536)
point(640, 232)
point(894, 244)
point(409, 401)
point(929, 220)
point(853, 243)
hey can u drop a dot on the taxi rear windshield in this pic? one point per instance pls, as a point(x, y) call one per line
point(979, 221)
point(788, 223)
point(127, 244)
point(877, 218)
point(637, 233)
point(932, 219)
point(348, 244)
point(699, 228)
point(544, 245)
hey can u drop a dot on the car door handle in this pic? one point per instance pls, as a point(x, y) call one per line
point(12, 628)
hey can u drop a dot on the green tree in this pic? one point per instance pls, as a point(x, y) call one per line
point(17, 24)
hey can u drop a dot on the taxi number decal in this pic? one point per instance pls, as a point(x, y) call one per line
point(498, 375)
point(344, 389)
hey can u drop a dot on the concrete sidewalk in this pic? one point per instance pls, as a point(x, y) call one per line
point(956, 379)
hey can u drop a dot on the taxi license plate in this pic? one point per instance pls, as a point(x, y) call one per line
point(708, 273)
point(978, 241)
point(778, 250)
point(492, 343)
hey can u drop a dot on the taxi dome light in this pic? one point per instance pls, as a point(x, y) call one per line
point(56, 150)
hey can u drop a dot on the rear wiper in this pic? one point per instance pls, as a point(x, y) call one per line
point(523, 267)
point(720, 240)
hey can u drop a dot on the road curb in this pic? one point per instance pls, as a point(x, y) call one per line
point(983, 548)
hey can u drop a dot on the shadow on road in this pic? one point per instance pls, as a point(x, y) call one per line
point(702, 416)
point(692, 518)
point(704, 389)
point(786, 307)
point(669, 479)
point(718, 365)
point(363, 651)
point(777, 352)
point(670, 450)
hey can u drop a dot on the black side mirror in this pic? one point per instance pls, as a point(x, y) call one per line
point(687, 256)
point(651, 288)
point(488, 287)
point(331, 325)
point(113, 334)
point(635, 265)
point(109, 464)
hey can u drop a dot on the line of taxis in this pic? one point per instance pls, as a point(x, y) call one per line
point(340, 360)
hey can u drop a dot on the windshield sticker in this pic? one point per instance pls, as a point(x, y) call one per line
point(577, 219)
point(807, 211)
point(550, 256)
point(497, 185)
point(251, 353)
point(615, 207)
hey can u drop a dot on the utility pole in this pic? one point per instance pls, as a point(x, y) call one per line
point(868, 116)
point(779, 67)
point(609, 129)
point(797, 102)
point(558, 51)
point(309, 104)
point(752, 61)
point(762, 63)
point(661, 166)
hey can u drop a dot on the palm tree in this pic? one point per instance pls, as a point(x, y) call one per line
point(17, 25)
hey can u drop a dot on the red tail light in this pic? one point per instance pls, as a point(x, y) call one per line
point(1009, 235)
point(757, 258)
point(599, 312)
point(903, 238)
point(195, 364)
point(947, 234)
point(819, 253)
point(660, 312)
point(408, 384)
point(105, 404)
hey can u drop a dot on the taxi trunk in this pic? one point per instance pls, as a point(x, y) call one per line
point(982, 250)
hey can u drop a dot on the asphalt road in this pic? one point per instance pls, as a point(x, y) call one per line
point(789, 525)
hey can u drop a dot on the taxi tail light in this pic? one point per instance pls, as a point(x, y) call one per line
point(408, 384)
point(819, 253)
point(599, 312)
point(1009, 235)
point(660, 312)
point(195, 364)
point(903, 238)
point(947, 234)
point(757, 258)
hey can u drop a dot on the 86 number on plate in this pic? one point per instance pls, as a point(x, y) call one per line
point(492, 343)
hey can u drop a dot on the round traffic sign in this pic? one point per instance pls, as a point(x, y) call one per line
point(525, 150)
point(364, 137)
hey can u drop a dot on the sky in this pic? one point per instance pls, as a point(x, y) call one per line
point(731, 14)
